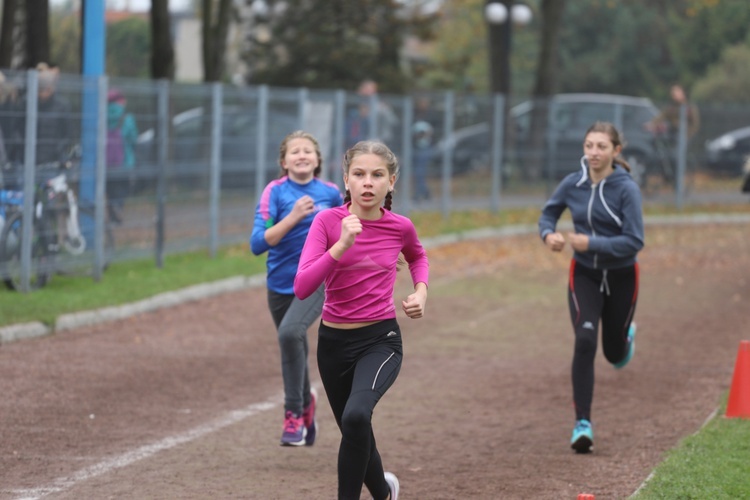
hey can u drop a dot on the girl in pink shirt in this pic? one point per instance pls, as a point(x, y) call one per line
point(354, 250)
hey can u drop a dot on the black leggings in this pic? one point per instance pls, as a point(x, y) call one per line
point(594, 295)
point(357, 367)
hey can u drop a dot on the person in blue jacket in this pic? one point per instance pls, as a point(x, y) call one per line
point(605, 206)
point(282, 220)
point(122, 135)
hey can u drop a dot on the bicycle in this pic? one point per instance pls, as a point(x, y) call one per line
point(54, 202)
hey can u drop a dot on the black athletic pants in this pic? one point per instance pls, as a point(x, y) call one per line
point(596, 295)
point(357, 367)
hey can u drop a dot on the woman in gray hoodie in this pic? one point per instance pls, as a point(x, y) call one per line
point(605, 205)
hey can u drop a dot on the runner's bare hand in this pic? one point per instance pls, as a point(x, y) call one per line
point(555, 241)
point(303, 207)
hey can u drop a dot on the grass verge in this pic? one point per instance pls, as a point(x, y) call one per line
point(709, 464)
point(131, 281)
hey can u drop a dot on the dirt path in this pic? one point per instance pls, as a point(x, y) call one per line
point(186, 402)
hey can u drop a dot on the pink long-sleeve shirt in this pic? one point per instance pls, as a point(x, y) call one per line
point(359, 286)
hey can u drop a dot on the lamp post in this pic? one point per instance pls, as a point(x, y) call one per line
point(500, 16)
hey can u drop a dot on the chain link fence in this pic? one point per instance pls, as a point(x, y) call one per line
point(199, 156)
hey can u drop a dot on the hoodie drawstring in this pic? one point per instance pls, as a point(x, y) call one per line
point(605, 284)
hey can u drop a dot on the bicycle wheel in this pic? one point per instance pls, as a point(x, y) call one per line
point(42, 260)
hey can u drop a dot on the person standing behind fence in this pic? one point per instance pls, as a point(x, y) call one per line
point(358, 119)
point(354, 250)
point(667, 123)
point(605, 205)
point(282, 220)
point(55, 124)
point(122, 134)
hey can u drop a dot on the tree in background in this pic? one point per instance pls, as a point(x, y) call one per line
point(128, 46)
point(640, 47)
point(332, 44)
point(162, 51)
point(727, 80)
point(460, 53)
point(65, 34)
point(7, 30)
point(216, 16)
point(552, 12)
point(37, 32)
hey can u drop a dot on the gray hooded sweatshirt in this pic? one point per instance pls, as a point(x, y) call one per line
point(608, 212)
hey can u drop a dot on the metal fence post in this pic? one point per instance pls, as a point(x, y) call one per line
point(681, 157)
point(372, 119)
point(214, 194)
point(162, 136)
point(407, 156)
point(29, 177)
point(498, 134)
point(262, 141)
point(339, 135)
point(447, 168)
point(100, 180)
point(302, 96)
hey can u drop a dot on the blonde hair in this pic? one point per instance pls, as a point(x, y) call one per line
point(374, 148)
point(284, 147)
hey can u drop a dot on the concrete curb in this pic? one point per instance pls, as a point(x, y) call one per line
point(71, 321)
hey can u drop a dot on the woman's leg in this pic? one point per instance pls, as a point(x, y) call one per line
point(618, 311)
point(585, 303)
point(357, 367)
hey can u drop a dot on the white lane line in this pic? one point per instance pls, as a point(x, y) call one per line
point(130, 457)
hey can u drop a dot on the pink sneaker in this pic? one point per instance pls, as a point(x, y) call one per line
point(294, 430)
point(311, 425)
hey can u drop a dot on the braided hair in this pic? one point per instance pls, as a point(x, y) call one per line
point(378, 149)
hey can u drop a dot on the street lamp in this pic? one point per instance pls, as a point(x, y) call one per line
point(497, 14)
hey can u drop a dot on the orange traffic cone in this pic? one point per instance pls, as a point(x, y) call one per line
point(585, 496)
point(739, 394)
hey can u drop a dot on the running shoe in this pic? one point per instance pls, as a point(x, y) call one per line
point(294, 430)
point(392, 481)
point(631, 348)
point(311, 425)
point(583, 437)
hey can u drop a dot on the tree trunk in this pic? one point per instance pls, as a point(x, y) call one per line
point(215, 39)
point(162, 51)
point(552, 13)
point(37, 32)
point(6, 33)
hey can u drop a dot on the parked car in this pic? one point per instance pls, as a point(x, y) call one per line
point(569, 116)
point(728, 153)
point(190, 146)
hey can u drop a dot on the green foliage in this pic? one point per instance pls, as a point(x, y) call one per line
point(128, 45)
point(460, 57)
point(331, 44)
point(727, 80)
point(639, 47)
point(710, 464)
point(129, 48)
point(642, 46)
point(65, 37)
